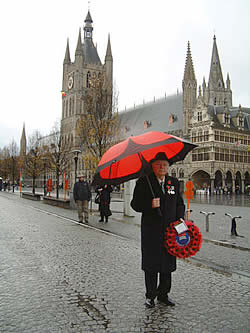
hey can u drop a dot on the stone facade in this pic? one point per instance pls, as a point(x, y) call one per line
point(221, 162)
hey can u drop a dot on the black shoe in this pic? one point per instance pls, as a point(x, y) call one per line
point(80, 221)
point(150, 303)
point(101, 220)
point(166, 300)
point(86, 221)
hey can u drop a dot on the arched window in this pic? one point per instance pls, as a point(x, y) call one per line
point(70, 109)
point(181, 173)
point(88, 80)
point(73, 106)
point(173, 173)
point(67, 108)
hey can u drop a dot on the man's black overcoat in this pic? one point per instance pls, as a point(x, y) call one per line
point(155, 257)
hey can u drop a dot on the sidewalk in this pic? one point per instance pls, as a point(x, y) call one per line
point(219, 224)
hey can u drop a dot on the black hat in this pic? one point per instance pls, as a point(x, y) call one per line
point(161, 156)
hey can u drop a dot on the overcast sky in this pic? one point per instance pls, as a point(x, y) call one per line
point(149, 45)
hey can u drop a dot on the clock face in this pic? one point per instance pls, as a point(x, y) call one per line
point(70, 82)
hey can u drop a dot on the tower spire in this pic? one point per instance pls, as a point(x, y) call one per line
point(23, 142)
point(88, 29)
point(215, 76)
point(189, 68)
point(79, 50)
point(108, 51)
point(67, 54)
point(189, 86)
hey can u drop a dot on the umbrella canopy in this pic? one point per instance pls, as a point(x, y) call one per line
point(128, 159)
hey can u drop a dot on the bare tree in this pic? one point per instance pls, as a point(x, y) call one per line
point(98, 126)
point(9, 162)
point(33, 163)
point(13, 150)
point(57, 154)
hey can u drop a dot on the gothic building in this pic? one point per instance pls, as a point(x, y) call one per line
point(209, 119)
point(77, 75)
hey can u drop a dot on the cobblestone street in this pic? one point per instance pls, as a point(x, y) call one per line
point(59, 276)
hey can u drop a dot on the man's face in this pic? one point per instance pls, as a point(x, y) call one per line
point(160, 168)
point(81, 179)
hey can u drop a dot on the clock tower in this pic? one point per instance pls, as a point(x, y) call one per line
point(76, 77)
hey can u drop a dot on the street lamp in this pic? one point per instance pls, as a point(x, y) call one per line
point(13, 173)
point(76, 152)
point(44, 176)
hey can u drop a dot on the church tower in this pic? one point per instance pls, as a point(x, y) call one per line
point(76, 80)
point(23, 143)
point(189, 87)
point(216, 93)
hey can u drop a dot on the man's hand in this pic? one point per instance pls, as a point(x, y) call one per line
point(156, 203)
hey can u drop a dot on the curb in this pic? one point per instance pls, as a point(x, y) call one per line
point(226, 244)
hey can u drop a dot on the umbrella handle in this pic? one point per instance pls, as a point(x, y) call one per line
point(153, 195)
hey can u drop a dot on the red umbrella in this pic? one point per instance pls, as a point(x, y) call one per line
point(128, 159)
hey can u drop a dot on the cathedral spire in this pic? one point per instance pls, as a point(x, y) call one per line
point(23, 142)
point(215, 77)
point(189, 68)
point(108, 52)
point(67, 54)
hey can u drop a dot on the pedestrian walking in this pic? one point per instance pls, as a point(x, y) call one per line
point(104, 205)
point(157, 214)
point(82, 196)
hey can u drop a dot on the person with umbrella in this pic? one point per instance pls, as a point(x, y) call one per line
point(104, 206)
point(158, 212)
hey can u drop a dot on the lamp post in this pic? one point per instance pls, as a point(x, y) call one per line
point(76, 152)
point(44, 176)
point(13, 173)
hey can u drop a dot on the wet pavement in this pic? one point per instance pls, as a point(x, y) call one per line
point(59, 276)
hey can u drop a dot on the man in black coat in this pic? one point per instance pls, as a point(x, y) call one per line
point(82, 196)
point(157, 214)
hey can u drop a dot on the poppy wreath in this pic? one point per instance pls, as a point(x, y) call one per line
point(183, 245)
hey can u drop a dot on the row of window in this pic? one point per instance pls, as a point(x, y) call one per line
point(202, 136)
point(181, 173)
point(232, 138)
point(227, 156)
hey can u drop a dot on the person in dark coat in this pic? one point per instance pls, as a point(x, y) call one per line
point(82, 196)
point(157, 215)
point(104, 205)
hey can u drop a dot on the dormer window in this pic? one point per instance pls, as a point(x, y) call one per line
point(227, 118)
point(172, 118)
point(199, 115)
point(241, 122)
point(147, 124)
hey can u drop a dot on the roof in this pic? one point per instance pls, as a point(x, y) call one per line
point(214, 110)
point(163, 115)
point(90, 54)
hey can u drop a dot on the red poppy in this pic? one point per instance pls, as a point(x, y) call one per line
point(190, 248)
